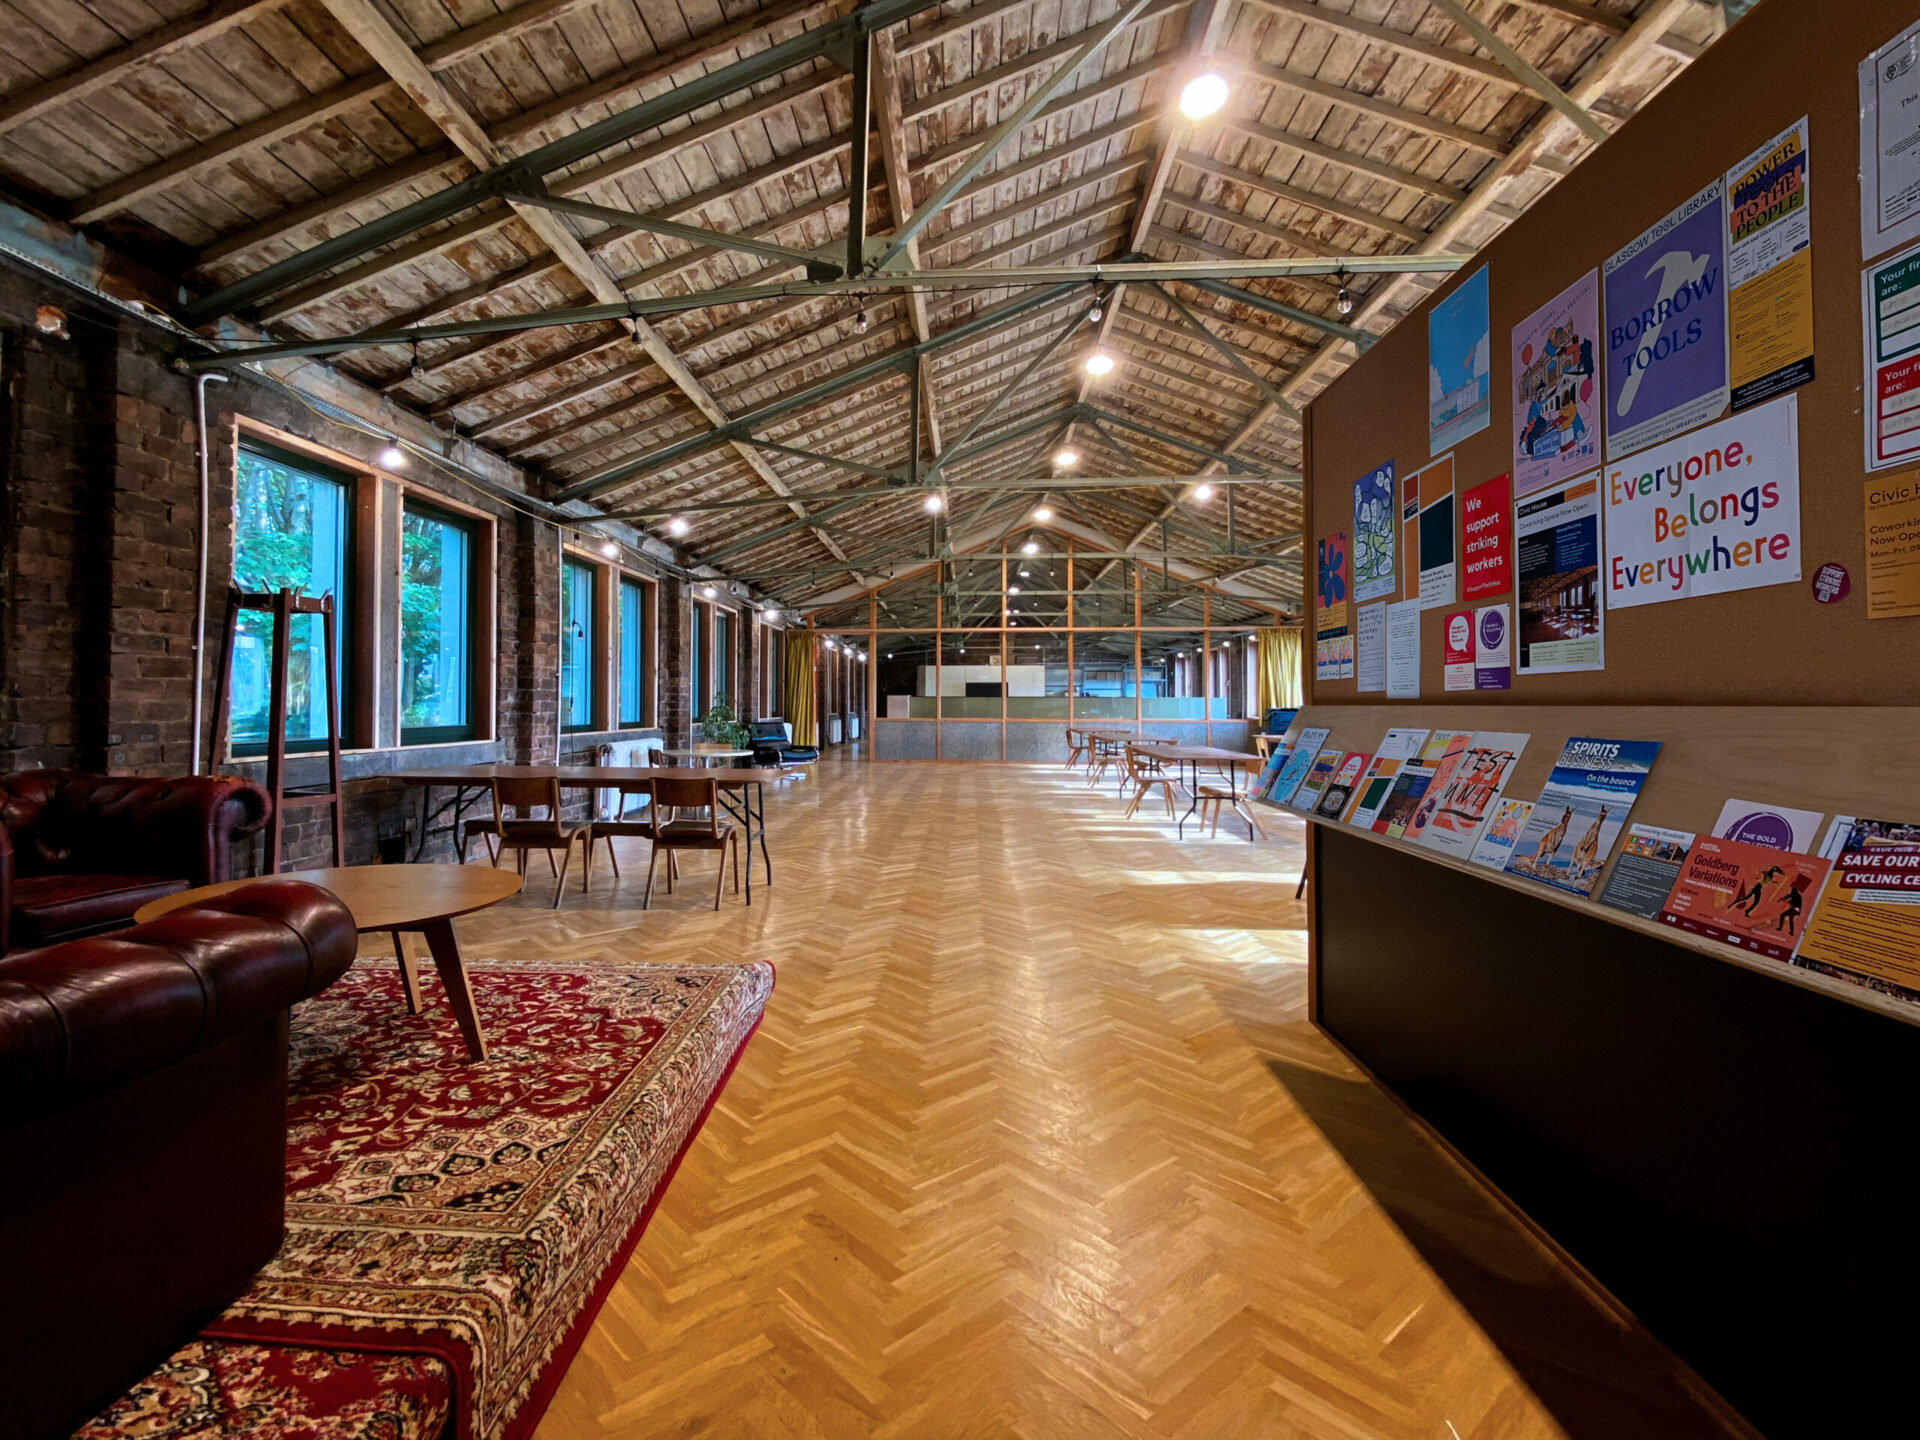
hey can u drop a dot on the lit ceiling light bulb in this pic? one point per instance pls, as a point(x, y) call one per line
point(1013, 589)
point(1098, 363)
point(1203, 96)
point(1203, 493)
point(861, 323)
point(708, 591)
point(933, 504)
point(677, 526)
point(393, 458)
point(770, 616)
point(610, 549)
point(1029, 548)
point(1042, 514)
point(1066, 459)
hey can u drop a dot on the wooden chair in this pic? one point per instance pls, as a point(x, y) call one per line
point(549, 832)
point(1147, 774)
point(1079, 747)
point(708, 832)
point(1106, 755)
point(1215, 799)
point(487, 827)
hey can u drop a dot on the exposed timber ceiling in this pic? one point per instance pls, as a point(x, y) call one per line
point(513, 219)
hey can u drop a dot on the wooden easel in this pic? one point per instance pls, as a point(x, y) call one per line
point(283, 606)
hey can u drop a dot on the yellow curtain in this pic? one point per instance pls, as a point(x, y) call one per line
point(1277, 668)
point(797, 653)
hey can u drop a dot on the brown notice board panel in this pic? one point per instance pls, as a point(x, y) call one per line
point(1776, 644)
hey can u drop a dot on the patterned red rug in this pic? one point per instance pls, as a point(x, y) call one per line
point(454, 1222)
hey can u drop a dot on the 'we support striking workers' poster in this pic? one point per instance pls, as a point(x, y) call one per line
point(1714, 510)
point(1666, 300)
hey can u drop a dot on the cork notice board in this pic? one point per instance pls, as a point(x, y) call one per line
point(1775, 644)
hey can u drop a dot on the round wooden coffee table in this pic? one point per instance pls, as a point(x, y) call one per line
point(397, 899)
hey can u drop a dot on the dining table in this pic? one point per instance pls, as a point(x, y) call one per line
point(741, 791)
point(1188, 759)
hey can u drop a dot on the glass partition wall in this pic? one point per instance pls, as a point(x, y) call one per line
point(992, 657)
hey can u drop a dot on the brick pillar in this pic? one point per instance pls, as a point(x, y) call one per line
point(676, 647)
point(530, 631)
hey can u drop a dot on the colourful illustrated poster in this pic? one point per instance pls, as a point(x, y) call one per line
point(1713, 511)
point(1867, 926)
point(1464, 794)
point(1374, 576)
point(1770, 270)
point(1456, 638)
point(1280, 789)
point(1492, 649)
point(1643, 876)
point(1556, 389)
point(1746, 895)
point(1333, 800)
point(1893, 546)
point(1459, 365)
point(1396, 749)
point(1666, 299)
point(1486, 523)
point(1317, 776)
point(1582, 807)
point(1777, 827)
point(1330, 591)
point(1890, 326)
point(1557, 553)
point(1333, 657)
point(1495, 846)
point(1405, 807)
point(1890, 144)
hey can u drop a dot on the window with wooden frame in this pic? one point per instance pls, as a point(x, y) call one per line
point(722, 687)
point(440, 641)
point(697, 676)
point(579, 646)
point(634, 618)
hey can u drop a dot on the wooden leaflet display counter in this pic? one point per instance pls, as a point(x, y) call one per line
point(1724, 1142)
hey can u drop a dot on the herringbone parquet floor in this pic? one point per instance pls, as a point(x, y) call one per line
point(1035, 1141)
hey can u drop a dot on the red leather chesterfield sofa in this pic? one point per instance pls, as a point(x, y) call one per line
point(143, 1084)
point(79, 853)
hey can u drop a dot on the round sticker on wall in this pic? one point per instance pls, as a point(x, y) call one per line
point(1831, 583)
point(1762, 827)
point(1493, 626)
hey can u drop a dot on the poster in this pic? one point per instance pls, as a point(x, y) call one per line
point(1459, 365)
point(1456, 638)
point(1370, 647)
point(1666, 298)
point(1893, 546)
point(1581, 809)
point(1495, 846)
point(1486, 525)
point(1557, 554)
point(1330, 608)
point(1556, 388)
point(1397, 748)
point(1299, 760)
point(1713, 511)
point(1492, 648)
point(1866, 927)
point(1462, 798)
point(1770, 270)
point(1746, 895)
point(1643, 876)
point(1890, 144)
point(1333, 657)
point(1373, 527)
point(1890, 325)
point(1435, 530)
point(1403, 650)
point(1318, 775)
point(1776, 827)
point(1411, 808)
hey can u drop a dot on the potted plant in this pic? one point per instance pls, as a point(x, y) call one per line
point(720, 726)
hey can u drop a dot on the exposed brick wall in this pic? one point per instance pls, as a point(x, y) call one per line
point(676, 647)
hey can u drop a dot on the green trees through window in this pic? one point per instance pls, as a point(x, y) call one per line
point(436, 621)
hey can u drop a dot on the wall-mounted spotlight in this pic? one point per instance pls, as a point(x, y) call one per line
point(392, 458)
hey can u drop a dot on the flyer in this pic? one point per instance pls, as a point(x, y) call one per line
point(1581, 809)
point(1426, 524)
point(1456, 638)
point(1333, 657)
point(1316, 778)
point(1463, 796)
point(1770, 270)
point(1890, 144)
point(1776, 827)
point(1374, 576)
point(1333, 800)
point(1459, 365)
point(1299, 760)
point(1403, 650)
point(1890, 326)
point(1666, 302)
point(1495, 846)
point(1643, 876)
point(1893, 546)
point(1557, 555)
point(1714, 511)
point(1866, 927)
point(1370, 646)
point(1412, 784)
point(1556, 389)
point(1486, 528)
point(1492, 648)
point(1746, 895)
point(1396, 749)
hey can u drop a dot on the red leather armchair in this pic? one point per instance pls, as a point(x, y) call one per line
point(80, 853)
point(143, 1084)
